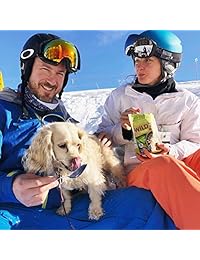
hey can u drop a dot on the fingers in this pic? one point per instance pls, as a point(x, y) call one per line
point(106, 142)
point(124, 120)
point(35, 200)
point(105, 139)
point(165, 148)
point(30, 180)
point(101, 135)
point(141, 158)
point(40, 194)
point(31, 190)
point(132, 110)
point(148, 155)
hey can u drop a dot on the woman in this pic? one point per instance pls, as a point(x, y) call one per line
point(156, 56)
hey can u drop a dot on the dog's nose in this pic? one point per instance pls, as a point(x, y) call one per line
point(75, 163)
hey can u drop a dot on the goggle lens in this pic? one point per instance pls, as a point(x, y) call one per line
point(143, 51)
point(143, 48)
point(57, 50)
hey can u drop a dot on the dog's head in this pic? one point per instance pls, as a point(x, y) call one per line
point(61, 144)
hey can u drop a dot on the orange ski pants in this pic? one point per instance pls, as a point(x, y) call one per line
point(175, 184)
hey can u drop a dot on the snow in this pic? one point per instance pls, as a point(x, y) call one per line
point(87, 106)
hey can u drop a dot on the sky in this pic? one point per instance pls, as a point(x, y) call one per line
point(103, 61)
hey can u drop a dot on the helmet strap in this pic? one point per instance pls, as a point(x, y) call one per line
point(22, 90)
point(64, 84)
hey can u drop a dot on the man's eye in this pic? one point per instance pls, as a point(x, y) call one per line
point(62, 74)
point(44, 68)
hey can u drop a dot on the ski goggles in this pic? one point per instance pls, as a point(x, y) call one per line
point(58, 50)
point(144, 48)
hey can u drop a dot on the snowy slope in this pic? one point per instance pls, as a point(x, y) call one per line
point(87, 106)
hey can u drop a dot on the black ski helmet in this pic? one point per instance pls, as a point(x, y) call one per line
point(31, 49)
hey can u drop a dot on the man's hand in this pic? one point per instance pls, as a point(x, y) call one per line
point(147, 155)
point(104, 139)
point(124, 120)
point(32, 190)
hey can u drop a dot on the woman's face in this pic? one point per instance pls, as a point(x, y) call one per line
point(148, 70)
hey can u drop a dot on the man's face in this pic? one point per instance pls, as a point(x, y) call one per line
point(46, 80)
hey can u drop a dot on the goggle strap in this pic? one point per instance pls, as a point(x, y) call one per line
point(168, 56)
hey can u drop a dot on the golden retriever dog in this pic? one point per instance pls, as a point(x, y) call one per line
point(59, 149)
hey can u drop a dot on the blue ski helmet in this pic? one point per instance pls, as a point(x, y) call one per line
point(165, 45)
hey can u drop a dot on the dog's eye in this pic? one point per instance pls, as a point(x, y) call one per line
point(78, 146)
point(63, 146)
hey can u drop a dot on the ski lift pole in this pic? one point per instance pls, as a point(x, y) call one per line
point(196, 63)
point(1, 81)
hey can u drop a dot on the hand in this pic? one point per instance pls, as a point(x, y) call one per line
point(147, 155)
point(124, 117)
point(32, 190)
point(104, 139)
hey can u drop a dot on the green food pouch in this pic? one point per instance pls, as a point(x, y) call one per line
point(145, 132)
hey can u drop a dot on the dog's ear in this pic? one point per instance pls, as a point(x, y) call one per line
point(81, 133)
point(83, 136)
point(40, 155)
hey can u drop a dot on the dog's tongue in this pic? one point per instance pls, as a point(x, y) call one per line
point(75, 163)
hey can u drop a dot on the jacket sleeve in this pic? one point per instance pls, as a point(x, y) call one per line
point(110, 122)
point(189, 131)
point(6, 179)
point(6, 191)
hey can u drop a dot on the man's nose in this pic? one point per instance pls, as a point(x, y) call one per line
point(52, 79)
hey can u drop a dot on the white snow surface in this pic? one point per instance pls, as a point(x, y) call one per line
point(87, 106)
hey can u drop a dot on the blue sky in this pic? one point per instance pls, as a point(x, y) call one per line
point(103, 62)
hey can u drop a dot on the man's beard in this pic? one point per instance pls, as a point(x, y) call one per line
point(41, 87)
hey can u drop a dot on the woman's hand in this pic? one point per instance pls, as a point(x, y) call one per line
point(148, 155)
point(104, 139)
point(124, 120)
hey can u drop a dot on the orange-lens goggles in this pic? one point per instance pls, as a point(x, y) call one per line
point(57, 50)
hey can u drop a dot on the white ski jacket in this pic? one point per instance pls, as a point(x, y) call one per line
point(177, 113)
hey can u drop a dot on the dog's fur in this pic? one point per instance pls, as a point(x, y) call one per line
point(58, 146)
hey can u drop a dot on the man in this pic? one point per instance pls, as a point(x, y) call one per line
point(46, 62)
